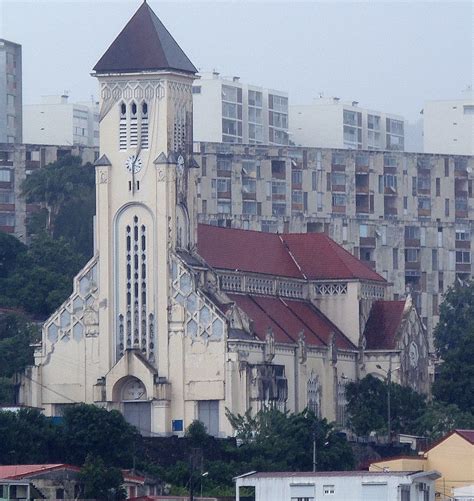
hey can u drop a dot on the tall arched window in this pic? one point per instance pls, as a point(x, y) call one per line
point(133, 125)
point(144, 126)
point(123, 127)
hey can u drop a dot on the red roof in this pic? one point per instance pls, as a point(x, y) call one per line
point(18, 471)
point(382, 325)
point(296, 255)
point(467, 435)
point(287, 318)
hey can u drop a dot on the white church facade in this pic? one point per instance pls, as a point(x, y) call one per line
point(172, 321)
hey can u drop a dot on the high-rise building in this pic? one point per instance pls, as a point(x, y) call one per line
point(408, 216)
point(332, 123)
point(448, 126)
point(10, 92)
point(56, 121)
point(230, 111)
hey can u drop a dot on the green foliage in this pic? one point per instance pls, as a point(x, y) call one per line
point(439, 419)
point(89, 429)
point(65, 192)
point(367, 406)
point(456, 320)
point(197, 434)
point(40, 277)
point(28, 437)
point(10, 249)
point(101, 482)
point(454, 340)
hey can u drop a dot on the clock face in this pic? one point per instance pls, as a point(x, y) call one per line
point(133, 163)
point(134, 390)
point(413, 354)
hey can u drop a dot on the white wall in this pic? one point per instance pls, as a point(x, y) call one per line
point(447, 128)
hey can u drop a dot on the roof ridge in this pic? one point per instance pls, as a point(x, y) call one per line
point(293, 258)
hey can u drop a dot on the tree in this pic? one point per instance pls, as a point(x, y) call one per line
point(454, 340)
point(88, 429)
point(16, 336)
point(65, 192)
point(440, 419)
point(367, 406)
point(10, 249)
point(100, 482)
point(41, 276)
point(28, 437)
point(456, 319)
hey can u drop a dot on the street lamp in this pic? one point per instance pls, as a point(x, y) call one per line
point(205, 474)
point(389, 382)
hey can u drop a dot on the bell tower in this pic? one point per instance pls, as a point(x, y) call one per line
point(143, 192)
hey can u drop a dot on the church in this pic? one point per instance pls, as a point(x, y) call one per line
point(171, 321)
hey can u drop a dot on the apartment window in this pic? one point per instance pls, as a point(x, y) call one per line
point(278, 188)
point(314, 180)
point(229, 110)
point(255, 98)
point(278, 209)
point(412, 255)
point(5, 175)
point(231, 94)
point(463, 235)
point(405, 203)
point(413, 186)
point(389, 161)
point(390, 182)
point(297, 176)
point(297, 197)
point(440, 236)
point(395, 258)
point(460, 164)
point(435, 303)
point(424, 203)
point(249, 169)
point(446, 206)
point(223, 206)
point(438, 186)
point(208, 414)
point(249, 208)
point(338, 178)
point(7, 220)
point(460, 204)
point(405, 493)
point(338, 159)
point(412, 232)
point(352, 118)
point(279, 120)
point(338, 200)
point(204, 206)
point(362, 160)
point(224, 164)
point(446, 167)
point(269, 226)
point(6, 197)
point(223, 186)
point(196, 89)
point(279, 169)
point(373, 122)
point(278, 103)
point(249, 185)
point(463, 257)
point(394, 126)
point(434, 259)
point(424, 183)
point(229, 127)
point(204, 166)
point(10, 100)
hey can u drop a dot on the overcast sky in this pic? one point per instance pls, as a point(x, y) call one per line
point(389, 56)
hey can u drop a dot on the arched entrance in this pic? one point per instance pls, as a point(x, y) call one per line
point(135, 404)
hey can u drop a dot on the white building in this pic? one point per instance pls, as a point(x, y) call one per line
point(340, 486)
point(56, 121)
point(332, 123)
point(229, 111)
point(448, 126)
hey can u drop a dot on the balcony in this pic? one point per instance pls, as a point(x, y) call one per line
point(339, 209)
point(424, 212)
point(340, 188)
point(463, 244)
point(463, 267)
point(461, 214)
point(362, 169)
point(412, 266)
point(7, 207)
point(412, 242)
point(224, 194)
point(367, 242)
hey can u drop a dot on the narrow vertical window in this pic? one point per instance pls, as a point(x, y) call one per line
point(133, 125)
point(123, 127)
point(144, 126)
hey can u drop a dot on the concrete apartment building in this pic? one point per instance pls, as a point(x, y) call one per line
point(448, 126)
point(57, 121)
point(10, 92)
point(332, 123)
point(230, 111)
point(16, 162)
point(409, 216)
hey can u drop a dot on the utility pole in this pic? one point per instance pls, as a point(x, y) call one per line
point(389, 413)
point(314, 447)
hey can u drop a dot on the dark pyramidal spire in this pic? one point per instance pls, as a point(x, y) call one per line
point(144, 45)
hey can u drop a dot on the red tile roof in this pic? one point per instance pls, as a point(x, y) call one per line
point(287, 318)
point(467, 435)
point(382, 325)
point(295, 255)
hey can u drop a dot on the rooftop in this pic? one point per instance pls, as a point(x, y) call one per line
point(144, 45)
